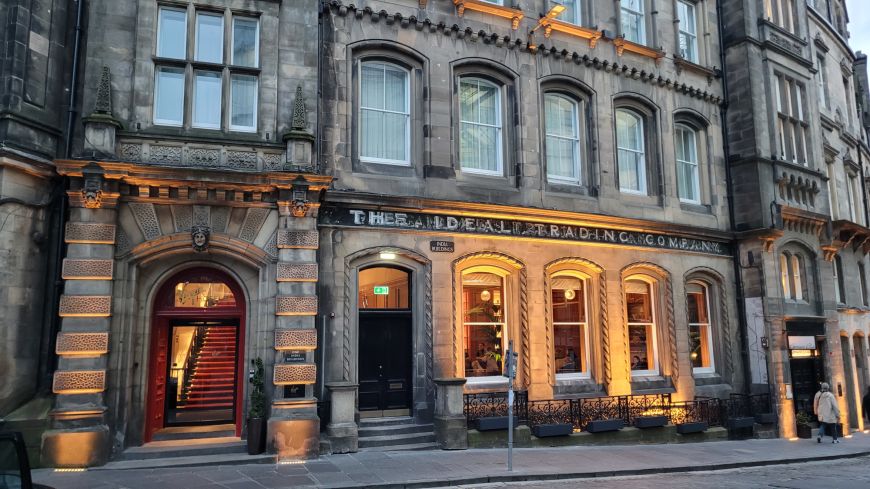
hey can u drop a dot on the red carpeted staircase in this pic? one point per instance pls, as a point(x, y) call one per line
point(210, 380)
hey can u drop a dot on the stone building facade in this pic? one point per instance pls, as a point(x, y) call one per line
point(798, 153)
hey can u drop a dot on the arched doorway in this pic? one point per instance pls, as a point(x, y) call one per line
point(197, 352)
point(385, 341)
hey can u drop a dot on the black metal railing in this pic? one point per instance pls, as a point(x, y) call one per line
point(579, 411)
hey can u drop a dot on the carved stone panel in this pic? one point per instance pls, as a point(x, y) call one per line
point(296, 305)
point(295, 339)
point(146, 218)
point(79, 382)
point(242, 160)
point(76, 269)
point(83, 232)
point(82, 343)
point(166, 154)
point(219, 218)
point(292, 272)
point(85, 306)
point(294, 374)
point(183, 217)
point(254, 220)
point(308, 240)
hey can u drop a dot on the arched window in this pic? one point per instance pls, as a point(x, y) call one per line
point(570, 312)
point(385, 114)
point(641, 323)
point(631, 152)
point(700, 327)
point(484, 323)
point(480, 135)
point(839, 288)
point(793, 276)
point(688, 179)
point(562, 127)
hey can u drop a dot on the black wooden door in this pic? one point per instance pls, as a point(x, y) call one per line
point(806, 376)
point(384, 360)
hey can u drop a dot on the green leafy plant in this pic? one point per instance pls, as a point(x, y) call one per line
point(802, 418)
point(258, 397)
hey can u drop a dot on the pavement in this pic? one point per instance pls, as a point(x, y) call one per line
point(410, 469)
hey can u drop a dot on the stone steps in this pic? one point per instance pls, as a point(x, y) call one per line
point(399, 433)
point(195, 432)
point(185, 448)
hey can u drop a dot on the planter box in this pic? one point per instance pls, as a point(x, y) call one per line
point(804, 431)
point(765, 418)
point(554, 429)
point(650, 421)
point(492, 423)
point(738, 423)
point(602, 425)
point(687, 428)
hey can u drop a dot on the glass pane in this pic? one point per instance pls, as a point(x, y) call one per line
point(629, 166)
point(245, 42)
point(482, 295)
point(372, 86)
point(571, 13)
point(629, 129)
point(568, 299)
point(244, 101)
point(468, 107)
point(483, 350)
point(384, 288)
point(395, 136)
point(203, 295)
point(468, 146)
point(172, 34)
point(169, 96)
point(395, 82)
point(699, 346)
point(561, 157)
point(641, 351)
point(570, 348)
point(488, 138)
point(698, 307)
point(207, 100)
point(488, 100)
point(209, 38)
point(371, 137)
point(784, 275)
point(638, 302)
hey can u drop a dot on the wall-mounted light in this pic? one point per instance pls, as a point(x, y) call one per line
point(388, 255)
point(485, 296)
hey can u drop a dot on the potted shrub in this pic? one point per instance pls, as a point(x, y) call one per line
point(804, 429)
point(257, 413)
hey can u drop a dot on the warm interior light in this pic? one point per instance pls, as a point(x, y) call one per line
point(72, 469)
point(793, 439)
point(485, 295)
point(291, 462)
point(555, 11)
point(388, 255)
point(570, 294)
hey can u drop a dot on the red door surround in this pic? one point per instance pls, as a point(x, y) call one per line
point(165, 310)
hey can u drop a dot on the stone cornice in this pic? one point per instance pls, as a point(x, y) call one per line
point(522, 43)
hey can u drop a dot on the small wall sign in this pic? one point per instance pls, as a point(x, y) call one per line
point(294, 357)
point(441, 246)
point(382, 290)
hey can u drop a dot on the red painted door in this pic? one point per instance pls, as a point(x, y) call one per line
point(158, 369)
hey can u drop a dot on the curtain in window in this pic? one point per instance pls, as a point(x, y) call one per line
point(209, 38)
point(245, 42)
point(630, 152)
point(169, 96)
point(244, 102)
point(688, 31)
point(384, 112)
point(172, 34)
point(207, 100)
point(796, 272)
point(687, 164)
point(563, 158)
point(480, 126)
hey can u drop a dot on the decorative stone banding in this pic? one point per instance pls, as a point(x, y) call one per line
point(88, 233)
point(82, 343)
point(79, 382)
point(308, 240)
point(295, 339)
point(72, 306)
point(296, 306)
point(295, 374)
point(290, 272)
point(76, 269)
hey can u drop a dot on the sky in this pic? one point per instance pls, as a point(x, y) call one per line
point(859, 25)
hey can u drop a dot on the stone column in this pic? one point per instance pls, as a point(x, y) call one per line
point(79, 434)
point(451, 431)
point(294, 427)
point(342, 430)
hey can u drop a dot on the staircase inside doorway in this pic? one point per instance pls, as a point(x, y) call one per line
point(400, 433)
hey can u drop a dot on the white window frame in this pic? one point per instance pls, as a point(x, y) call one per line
point(499, 171)
point(585, 324)
point(168, 122)
point(641, 177)
point(406, 113)
point(256, 21)
point(158, 44)
point(653, 326)
point(640, 17)
point(696, 178)
point(496, 2)
point(709, 325)
point(785, 275)
point(196, 41)
point(505, 331)
point(193, 122)
point(575, 142)
point(577, 6)
point(823, 82)
point(234, 127)
point(791, 121)
point(838, 287)
point(797, 281)
point(688, 28)
point(781, 13)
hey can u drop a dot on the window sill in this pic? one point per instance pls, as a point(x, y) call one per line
point(622, 45)
point(685, 64)
point(567, 190)
point(696, 208)
point(575, 30)
point(514, 15)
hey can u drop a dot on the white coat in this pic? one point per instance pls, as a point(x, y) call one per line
point(828, 410)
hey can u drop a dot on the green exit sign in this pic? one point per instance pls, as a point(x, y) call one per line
point(382, 290)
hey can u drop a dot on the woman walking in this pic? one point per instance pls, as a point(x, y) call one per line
point(828, 412)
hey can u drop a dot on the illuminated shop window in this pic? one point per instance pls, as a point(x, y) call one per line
point(640, 312)
point(483, 317)
point(570, 327)
point(700, 332)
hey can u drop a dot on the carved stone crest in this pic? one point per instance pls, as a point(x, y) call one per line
point(92, 194)
point(199, 235)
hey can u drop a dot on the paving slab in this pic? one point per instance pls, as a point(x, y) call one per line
point(404, 470)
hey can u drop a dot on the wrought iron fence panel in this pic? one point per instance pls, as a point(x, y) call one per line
point(550, 412)
point(598, 408)
point(648, 405)
point(485, 405)
point(760, 403)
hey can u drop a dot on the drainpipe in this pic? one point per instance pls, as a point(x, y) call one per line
point(71, 111)
point(735, 251)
